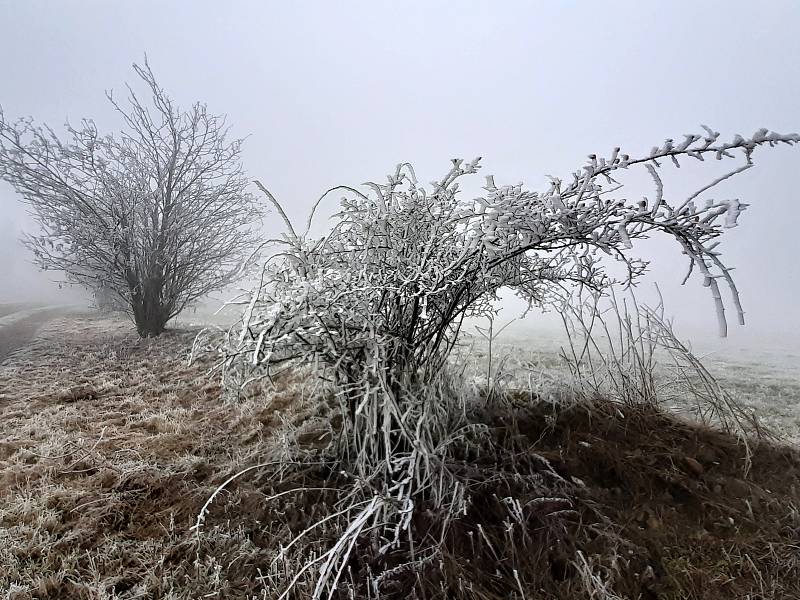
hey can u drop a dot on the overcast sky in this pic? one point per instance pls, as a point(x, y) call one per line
point(339, 92)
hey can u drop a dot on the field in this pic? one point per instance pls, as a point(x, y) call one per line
point(110, 445)
point(762, 375)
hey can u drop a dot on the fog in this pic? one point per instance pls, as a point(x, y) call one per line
point(338, 93)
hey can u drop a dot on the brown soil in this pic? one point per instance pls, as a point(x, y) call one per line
point(110, 445)
point(669, 509)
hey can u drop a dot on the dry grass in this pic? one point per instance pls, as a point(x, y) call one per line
point(110, 446)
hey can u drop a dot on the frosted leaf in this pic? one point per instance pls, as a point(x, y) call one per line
point(734, 209)
point(623, 234)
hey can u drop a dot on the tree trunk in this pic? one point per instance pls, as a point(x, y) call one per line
point(150, 326)
point(149, 313)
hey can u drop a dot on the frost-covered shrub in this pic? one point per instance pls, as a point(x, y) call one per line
point(403, 264)
point(378, 302)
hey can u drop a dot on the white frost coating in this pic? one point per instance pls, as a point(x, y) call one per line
point(623, 234)
point(734, 209)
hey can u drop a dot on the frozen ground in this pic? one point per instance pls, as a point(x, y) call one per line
point(763, 374)
point(110, 445)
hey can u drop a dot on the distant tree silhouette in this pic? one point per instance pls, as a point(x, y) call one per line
point(157, 215)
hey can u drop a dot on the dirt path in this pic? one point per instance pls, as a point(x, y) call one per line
point(18, 333)
point(8, 309)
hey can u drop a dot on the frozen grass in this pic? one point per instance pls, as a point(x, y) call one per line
point(110, 446)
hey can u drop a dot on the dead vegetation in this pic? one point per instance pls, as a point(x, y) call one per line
point(112, 444)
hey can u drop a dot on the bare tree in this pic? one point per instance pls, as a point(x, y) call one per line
point(158, 214)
